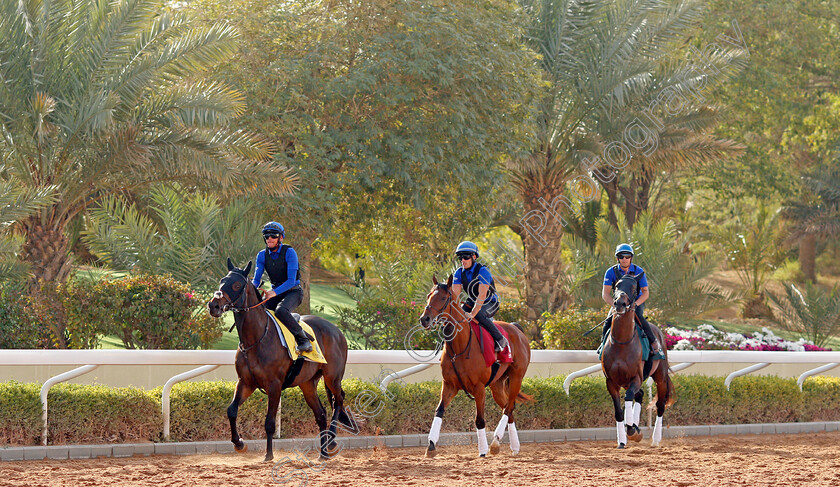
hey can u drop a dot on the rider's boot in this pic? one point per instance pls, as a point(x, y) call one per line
point(303, 342)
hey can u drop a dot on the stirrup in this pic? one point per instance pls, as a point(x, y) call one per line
point(501, 346)
point(303, 347)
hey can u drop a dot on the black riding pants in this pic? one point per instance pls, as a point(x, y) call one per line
point(640, 310)
point(283, 305)
point(485, 320)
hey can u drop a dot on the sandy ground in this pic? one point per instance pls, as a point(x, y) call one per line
point(768, 460)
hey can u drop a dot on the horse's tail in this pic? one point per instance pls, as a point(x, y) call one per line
point(522, 397)
point(669, 395)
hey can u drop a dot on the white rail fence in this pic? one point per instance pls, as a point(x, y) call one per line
point(419, 360)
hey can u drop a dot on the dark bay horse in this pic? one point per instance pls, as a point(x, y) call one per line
point(463, 368)
point(262, 362)
point(623, 367)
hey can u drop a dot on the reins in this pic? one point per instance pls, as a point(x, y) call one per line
point(453, 357)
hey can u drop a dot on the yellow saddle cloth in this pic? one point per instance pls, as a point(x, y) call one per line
point(315, 355)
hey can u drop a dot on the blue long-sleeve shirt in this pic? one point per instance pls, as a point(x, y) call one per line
point(292, 267)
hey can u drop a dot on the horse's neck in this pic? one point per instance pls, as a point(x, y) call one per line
point(623, 326)
point(251, 324)
point(461, 339)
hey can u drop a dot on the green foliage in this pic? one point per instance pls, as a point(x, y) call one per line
point(101, 98)
point(816, 314)
point(676, 276)
point(380, 324)
point(751, 246)
point(563, 330)
point(186, 234)
point(92, 414)
point(17, 328)
point(17, 202)
point(148, 312)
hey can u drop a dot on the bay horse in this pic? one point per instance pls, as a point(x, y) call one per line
point(623, 367)
point(263, 362)
point(463, 368)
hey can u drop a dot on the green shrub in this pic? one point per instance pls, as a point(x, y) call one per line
point(510, 311)
point(95, 414)
point(564, 330)
point(18, 329)
point(149, 312)
point(382, 324)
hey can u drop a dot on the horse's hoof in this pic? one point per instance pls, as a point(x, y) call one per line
point(268, 457)
point(430, 450)
point(495, 447)
point(240, 447)
point(654, 443)
point(636, 435)
point(621, 446)
point(482, 456)
point(514, 452)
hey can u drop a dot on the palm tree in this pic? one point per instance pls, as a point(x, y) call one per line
point(816, 216)
point(186, 235)
point(816, 314)
point(605, 63)
point(106, 97)
point(17, 202)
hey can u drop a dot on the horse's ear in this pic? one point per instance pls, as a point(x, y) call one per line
point(248, 268)
point(449, 281)
point(230, 264)
point(434, 279)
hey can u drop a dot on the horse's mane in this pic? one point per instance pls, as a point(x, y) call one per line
point(442, 286)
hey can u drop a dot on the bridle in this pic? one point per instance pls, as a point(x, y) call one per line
point(231, 305)
point(631, 307)
point(466, 350)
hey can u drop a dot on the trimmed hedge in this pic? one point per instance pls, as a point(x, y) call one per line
point(96, 414)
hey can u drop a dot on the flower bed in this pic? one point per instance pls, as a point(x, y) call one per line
point(707, 337)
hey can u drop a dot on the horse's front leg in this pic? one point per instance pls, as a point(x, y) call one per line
point(242, 393)
point(632, 411)
point(483, 447)
point(274, 391)
point(615, 394)
point(447, 392)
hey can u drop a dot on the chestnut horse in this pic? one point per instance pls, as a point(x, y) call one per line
point(623, 367)
point(463, 368)
point(263, 362)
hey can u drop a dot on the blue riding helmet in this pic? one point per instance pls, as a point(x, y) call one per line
point(273, 229)
point(624, 248)
point(466, 247)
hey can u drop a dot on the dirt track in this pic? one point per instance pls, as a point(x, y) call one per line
point(768, 460)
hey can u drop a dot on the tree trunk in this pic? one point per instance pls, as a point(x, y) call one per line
point(46, 249)
point(612, 195)
point(544, 289)
point(303, 247)
point(808, 257)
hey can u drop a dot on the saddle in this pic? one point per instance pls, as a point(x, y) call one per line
point(488, 346)
point(288, 338)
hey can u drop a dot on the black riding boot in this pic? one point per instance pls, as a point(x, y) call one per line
point(303, 342)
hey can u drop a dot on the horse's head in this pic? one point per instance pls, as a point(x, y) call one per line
point(232, 290)
point(625, 291)
point(437, 301)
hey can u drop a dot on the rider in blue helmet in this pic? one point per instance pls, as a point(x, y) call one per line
point(280, 262)
point(482, 301)
point(624, 256)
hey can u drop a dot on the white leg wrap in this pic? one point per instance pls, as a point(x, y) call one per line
point(434, 434)
point(657, 432)
point(483, 448)
point(622, 433)
point(628, 412)
point(514, 438)
point(500, 430)
point(637, 413)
